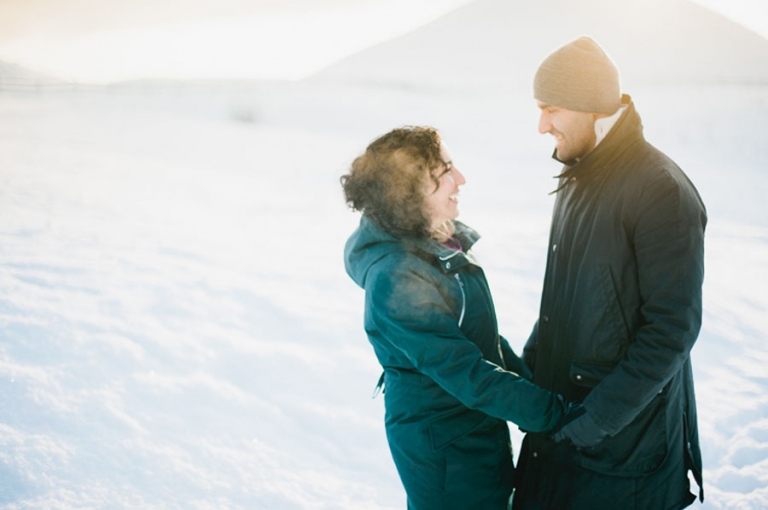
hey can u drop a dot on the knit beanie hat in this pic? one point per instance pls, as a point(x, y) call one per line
point(579, 77)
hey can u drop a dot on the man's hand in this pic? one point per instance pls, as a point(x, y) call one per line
point(579, 428)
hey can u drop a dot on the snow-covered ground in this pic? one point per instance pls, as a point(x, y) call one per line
point(176, 327)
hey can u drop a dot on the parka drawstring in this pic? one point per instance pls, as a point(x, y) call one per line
point(379, 387)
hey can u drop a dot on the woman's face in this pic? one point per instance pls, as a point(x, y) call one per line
point(442, 201)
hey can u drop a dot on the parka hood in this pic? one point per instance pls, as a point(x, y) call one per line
point(369, 243)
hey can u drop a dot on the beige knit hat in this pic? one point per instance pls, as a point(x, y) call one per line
point(580, 77)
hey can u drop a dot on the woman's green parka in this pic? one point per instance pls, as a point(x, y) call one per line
point(451, 381)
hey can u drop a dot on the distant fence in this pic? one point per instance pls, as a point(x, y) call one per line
point(21, 85)
point(26, 86)
point(14, 84)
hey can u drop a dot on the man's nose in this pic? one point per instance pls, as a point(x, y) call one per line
point(544, 124)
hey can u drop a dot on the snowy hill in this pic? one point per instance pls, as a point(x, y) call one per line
point(499, 43)
point(18, 77)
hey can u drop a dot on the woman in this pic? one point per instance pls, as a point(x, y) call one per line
point(451, 380)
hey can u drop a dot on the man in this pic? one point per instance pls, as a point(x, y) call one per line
point(621, 304)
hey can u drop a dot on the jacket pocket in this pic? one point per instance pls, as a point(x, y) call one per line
point(585, 376)
point(636, 450)
point(602, 333)
point(479, 471)
point(451, 426)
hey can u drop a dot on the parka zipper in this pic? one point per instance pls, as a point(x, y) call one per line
point(461, 284)
point(463, 297)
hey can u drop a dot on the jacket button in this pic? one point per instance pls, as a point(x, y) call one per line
point(447, 265)
point(554, 248)
point(535, 454)
point(545, 318)
point(579, 377)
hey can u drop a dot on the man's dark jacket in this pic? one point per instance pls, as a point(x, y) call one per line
point(620, 312)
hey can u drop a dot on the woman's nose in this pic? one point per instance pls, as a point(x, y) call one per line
point(458, 177)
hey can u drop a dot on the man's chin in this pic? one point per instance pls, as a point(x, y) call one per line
point(565, 156)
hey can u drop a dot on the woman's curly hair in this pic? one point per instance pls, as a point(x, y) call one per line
point(387, 182)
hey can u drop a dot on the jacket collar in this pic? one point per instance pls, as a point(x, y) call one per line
point(450, 259)
point(369, 243)
point(603, 125)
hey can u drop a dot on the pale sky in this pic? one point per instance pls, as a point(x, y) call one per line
point(102, 41)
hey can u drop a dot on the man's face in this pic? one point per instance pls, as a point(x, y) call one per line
point(574, 132)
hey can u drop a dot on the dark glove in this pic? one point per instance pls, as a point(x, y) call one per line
point(579, 428)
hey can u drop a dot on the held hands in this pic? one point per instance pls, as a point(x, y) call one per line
point(578, 427)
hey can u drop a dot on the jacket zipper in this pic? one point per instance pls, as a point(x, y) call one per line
point(463, 297)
